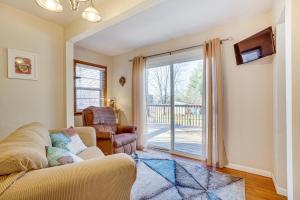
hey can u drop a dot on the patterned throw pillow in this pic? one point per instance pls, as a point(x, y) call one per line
point(57, 156)
point(69, 140)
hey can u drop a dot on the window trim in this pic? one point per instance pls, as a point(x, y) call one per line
point(74, 81)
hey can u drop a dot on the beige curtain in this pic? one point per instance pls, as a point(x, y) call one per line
point(138, 73)
point(216, 155)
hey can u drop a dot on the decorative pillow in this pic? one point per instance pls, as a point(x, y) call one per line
point(68, 139)
point(57, 156)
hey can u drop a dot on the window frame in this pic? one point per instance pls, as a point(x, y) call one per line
point(74, 81)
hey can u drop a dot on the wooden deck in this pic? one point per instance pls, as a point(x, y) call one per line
point(187, 140)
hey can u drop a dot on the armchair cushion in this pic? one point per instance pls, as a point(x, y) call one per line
point(123, 139)
point(105, 128)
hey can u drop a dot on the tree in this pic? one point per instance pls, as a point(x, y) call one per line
point(195, 87)
point(159, 83)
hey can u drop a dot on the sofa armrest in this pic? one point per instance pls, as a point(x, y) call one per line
point(126, 129)
point(110, 177)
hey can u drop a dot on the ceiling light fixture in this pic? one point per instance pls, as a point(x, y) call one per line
point(75, 4)
point(90, 13)
point(52, 5)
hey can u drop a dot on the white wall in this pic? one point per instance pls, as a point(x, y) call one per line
point(293, 97)
point(23, 101)
point(279, 86)
point(278, 11)
point(248, 98)
point(96, 58)
point(280, 162)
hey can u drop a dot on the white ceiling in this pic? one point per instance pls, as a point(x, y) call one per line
point(168, 20)
point(63, 18)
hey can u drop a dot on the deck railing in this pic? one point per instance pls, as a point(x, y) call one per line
point(185, 115)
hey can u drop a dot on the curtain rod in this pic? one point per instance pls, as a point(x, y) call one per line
point(178, 50)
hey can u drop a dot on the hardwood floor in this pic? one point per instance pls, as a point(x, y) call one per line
point(257, 187)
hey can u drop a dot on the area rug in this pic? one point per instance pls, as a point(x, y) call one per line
point(162, 178)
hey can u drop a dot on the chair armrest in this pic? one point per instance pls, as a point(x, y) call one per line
point(87, 135)
point(110, 177)
point(107, 135)
point(126, 129)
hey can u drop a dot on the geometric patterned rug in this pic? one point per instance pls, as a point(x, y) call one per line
point(162, 178)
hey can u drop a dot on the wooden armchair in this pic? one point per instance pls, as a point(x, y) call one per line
point(111, 137)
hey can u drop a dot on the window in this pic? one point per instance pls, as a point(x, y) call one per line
point(90, 85)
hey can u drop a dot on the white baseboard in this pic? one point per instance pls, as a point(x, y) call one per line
point(250, 170)
point(279, 190)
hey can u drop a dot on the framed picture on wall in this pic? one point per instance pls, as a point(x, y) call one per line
point(22, 65)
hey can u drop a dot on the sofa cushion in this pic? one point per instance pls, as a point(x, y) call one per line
point(123, 139)
point(24, 149)
point(91, 153)
point(57, 156)
point(68, 139)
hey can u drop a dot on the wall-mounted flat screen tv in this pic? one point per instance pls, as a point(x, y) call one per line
point(255, 47)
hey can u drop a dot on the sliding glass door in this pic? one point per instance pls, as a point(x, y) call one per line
point(158, 107)
point(175, 105)
point(188, 121)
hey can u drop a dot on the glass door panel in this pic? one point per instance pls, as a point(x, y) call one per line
point(158, 107)
point(188, 103)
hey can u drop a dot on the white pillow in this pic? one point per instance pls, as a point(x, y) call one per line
point(76, 145)
point(68, 139)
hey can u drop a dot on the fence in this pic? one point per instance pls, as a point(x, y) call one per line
point(185, 115)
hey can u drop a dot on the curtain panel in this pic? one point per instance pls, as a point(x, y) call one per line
point(216, 155)
point(138, 101)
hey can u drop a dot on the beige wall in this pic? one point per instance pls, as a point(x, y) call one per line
point(96, 58)
point(23, 101)
point(248, 92)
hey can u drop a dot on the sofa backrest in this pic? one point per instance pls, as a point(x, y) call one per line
point(98, 115)
point(24, 149)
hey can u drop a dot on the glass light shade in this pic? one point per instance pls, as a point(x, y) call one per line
point(52, 5)
point(91, 14)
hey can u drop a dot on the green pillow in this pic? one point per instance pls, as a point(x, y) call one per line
point(57, 156)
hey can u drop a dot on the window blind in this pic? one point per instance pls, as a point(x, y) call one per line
point(90, 86)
